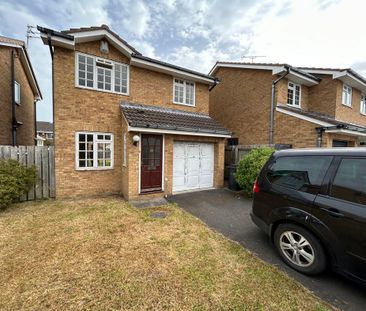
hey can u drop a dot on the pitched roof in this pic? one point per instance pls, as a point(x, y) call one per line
point(27, 65)
point(151, 117)
point(322, 117)
point(265, 66)
point(43, 126)
point(102, 27)
point(12, 41)
point(68, 38)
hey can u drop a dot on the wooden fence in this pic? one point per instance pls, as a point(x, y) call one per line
point(40, 157)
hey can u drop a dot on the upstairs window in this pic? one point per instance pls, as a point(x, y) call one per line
point(293, 94)
point(184, 92)
point(94, 151)
point(347, 95)
point(363, 104)
point(17, 92)
point(101, 74)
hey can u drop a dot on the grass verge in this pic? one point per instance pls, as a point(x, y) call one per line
point(102, 254)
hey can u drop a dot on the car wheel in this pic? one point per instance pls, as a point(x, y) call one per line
point(300, 249)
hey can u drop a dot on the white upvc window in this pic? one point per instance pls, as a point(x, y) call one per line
point(94, 150)
point(183, 92)
point(363, 104)
point(294, 94)
point(124, 149)
point(17, 92)
point(101, 74)
point(347, 95)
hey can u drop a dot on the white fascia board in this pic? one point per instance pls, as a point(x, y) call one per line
point(347, 132)
point(302, 117)
point(244, 66)
point(344, 74)
point(161, 131)
point(305, 80)
point(26, 66)
point(29, 72)
point(98, 34)
point(58, 41)
point(171, 71)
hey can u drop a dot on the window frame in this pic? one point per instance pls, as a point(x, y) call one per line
point(363, 104)
point(17, 94)
point(95, 167)
point(344, 97)
point(184, 92)
point(95, 74)
point(294, 94)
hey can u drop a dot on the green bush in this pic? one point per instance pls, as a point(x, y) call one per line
point(250, 166)
point(15, 180)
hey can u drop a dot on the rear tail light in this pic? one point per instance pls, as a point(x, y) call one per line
point(256, 188)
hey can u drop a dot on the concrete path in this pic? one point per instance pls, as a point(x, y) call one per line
point(228, 213)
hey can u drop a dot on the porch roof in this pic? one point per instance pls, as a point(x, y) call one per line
point(158, 119)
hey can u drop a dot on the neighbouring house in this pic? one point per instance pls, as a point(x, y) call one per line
point(44, 133)
point(125, 123)
point(19, 92)
point(311, 106)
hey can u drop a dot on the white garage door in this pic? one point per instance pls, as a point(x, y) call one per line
point(193, 166)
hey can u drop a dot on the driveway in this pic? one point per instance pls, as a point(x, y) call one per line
point(228, 213)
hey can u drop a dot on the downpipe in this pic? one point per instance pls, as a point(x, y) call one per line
point(273, 104)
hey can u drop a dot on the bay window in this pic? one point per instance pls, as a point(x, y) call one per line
point(101, 74)
point(94, 150)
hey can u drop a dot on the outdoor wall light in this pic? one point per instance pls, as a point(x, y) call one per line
point(136, 139)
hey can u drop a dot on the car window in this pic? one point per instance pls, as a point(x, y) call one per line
point(350, 181)
point(303, 173)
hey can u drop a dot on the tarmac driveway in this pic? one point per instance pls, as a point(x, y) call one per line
point(228, 213)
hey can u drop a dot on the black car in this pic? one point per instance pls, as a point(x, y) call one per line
point(312, 204)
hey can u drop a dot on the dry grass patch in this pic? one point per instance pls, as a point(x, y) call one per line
point(106, 255)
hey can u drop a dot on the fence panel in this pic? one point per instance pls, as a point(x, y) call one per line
point(40, 157)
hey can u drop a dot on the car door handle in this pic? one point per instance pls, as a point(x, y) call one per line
point(333, 212)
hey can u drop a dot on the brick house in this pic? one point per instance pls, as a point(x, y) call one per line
point(311, 106)
point(128, 124)
point(19, 92)
point(44, 133)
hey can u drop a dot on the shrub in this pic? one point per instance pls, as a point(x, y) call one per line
point(15, 180)
point(250, 166)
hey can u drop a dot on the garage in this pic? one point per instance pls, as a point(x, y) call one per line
point(193, 166)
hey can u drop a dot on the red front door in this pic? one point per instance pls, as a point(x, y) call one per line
point(151, 162)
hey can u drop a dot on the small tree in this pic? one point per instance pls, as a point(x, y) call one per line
point(15, 180)
point(250, 166)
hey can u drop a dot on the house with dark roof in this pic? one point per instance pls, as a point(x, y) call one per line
point(264, 103)
point(128, 124)
point(44, 133)
point(19, 92)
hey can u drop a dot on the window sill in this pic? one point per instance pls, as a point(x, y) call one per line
point(294, 106)
point(175, 103)
point(348, 106)
point(94, 169)
point(101, 91)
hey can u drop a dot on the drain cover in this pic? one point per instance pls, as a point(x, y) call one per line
point(158, 214)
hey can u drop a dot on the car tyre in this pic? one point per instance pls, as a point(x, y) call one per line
point(300, 249)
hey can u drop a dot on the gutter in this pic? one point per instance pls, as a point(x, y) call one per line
point(273, 104)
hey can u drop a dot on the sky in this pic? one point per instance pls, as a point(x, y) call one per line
point(197, 33)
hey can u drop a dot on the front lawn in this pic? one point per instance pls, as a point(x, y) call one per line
point(102, 254)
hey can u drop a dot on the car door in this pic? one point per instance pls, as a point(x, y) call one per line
point(295, 181)
point(343, 210)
